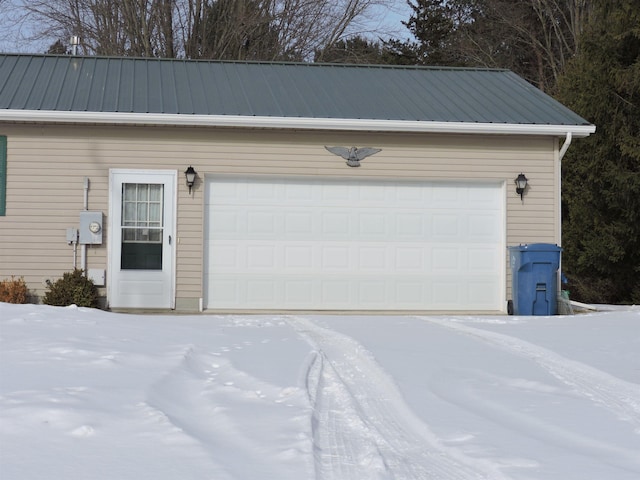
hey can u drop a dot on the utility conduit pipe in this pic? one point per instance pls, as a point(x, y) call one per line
point(83, 248)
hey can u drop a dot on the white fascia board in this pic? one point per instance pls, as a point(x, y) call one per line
point(302, 123)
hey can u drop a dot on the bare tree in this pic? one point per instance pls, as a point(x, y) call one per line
point(311, 25)
point(231, 29)
point(536, 38)
point(252, 29)
point(114, 27)
point(16, 32)
point(274, 29)
point(562, 23)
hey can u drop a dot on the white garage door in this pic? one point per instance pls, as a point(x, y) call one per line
point(355, 245)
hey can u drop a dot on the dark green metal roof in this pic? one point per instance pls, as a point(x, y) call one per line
point(316, 91)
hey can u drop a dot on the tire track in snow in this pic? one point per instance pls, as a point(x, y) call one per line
point(618, 396)
point(362, 428)
point(206, 399)
point(463, 392)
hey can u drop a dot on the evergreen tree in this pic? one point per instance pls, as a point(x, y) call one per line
point(601, 174)
point(57, 48)
point(360, 50)
point(533, 38)
point(432, 25)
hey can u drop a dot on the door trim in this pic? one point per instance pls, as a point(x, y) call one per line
point(112, 238)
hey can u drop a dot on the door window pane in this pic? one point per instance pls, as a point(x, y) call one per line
point(155, 214)
point(142, 226)
point(143, 192)
point(129, 192)
point(142, 217)
point(155, 193)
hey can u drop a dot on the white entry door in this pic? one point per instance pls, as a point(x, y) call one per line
point(141, 239)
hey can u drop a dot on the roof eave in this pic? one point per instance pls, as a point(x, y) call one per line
point(299, 123)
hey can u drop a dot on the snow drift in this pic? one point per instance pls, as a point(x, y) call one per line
point(90, 394)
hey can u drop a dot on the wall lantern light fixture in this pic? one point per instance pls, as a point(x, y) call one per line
point(521, 185)
point(190, 174)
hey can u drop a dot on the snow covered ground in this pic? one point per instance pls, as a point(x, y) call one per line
point(90, 394)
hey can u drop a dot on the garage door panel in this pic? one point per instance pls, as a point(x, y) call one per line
point(260, 257)
point(300, 292)
point(222, 257)
point(483, 228)
point(259, 192)
point(446, 291)
point(335, 258)
point(299, 223)
point(298, 257)
point(413, 293)
point(372, 259)
point(445, 226)
point(334, 224)
point(225, 192)
point(337, 292)
point(366, 225)
point(373, 292)
point(446, 259)
point(301, 193)
point(480, 200)
point(262, 224)
point(261, 291)
point(410, 195)
point(410, 225)
point(412, 259)
point(372, 225)
point(320, 244)
point(225, 222)
point(225, 290)
point(480, 291)
point(483, 259)
point(446, 197)
point(336, 194)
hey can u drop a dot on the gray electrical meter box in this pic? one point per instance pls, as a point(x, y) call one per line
point(90, 228)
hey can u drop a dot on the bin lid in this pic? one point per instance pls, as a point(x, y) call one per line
point(536, 247)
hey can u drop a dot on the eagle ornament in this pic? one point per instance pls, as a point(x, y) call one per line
point(353, 155)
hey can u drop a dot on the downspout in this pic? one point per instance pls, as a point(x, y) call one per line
point(561, 154)
point(565, 146)
point(563, 151)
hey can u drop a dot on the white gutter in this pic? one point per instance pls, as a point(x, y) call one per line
point(302, 123)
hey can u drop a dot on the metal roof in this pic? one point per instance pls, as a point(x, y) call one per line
point(178, 89)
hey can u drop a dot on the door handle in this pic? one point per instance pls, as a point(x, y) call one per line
point(169, 239)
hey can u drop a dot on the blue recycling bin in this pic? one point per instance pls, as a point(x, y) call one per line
point(534, 270)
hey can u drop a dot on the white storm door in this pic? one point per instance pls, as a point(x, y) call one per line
point(141, 238)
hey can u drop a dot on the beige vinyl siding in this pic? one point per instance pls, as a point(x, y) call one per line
point(46, 166)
